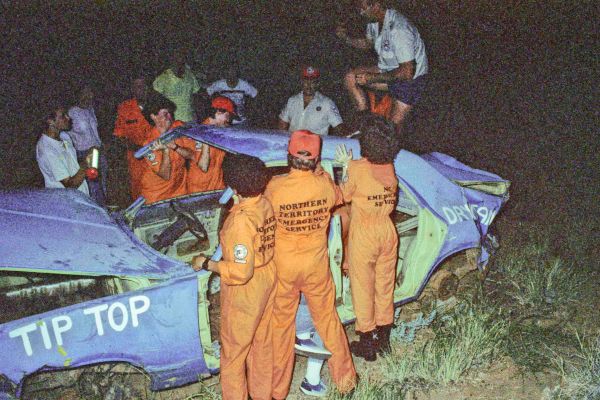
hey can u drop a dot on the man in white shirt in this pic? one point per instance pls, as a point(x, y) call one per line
point(84, 134)
point(402, 67)
point(235, 89)
point(56, 155)
point(311, 110)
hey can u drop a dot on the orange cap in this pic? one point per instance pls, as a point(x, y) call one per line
point(305, 145)
point(223, 103)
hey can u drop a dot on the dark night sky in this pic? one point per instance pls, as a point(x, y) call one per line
point(477, 50)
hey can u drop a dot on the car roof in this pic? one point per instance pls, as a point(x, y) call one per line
point(63, 231)
point(267, 144)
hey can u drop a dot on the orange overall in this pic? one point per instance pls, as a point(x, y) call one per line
point(302, 202)
point(132, 125)
point(200, 181)
point(383, 106)
point(152, 186)
point(372, 242)
point(247, 291)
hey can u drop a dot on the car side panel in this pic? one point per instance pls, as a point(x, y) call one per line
point(155, 329)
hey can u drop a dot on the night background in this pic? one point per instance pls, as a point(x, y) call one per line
point(513, 85)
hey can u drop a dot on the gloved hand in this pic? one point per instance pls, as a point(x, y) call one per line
point(342, 155)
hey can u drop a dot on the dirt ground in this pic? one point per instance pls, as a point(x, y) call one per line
point(513, 90)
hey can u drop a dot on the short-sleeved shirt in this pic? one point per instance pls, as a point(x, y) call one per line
point(179, 91)
point(372, 189)
point(84, 130)
point(57, 160)
point(235, 94)
point(398, 42)
point(152, 186)
point(317, 117)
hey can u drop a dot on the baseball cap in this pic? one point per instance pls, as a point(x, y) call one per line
point(224, 103)
point(305, 145)
point(310, 72)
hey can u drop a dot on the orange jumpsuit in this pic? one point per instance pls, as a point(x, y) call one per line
point(247, 292)
point(200, 181)
point(382, 107)
point(132, 125)
point(372, 242)
point(155, 188)
point(302, 202)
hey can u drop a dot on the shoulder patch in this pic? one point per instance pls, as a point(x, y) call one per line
point(240, 252)
point(151, 156)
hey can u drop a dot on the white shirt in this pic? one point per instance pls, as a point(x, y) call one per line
point(235, 94)
point(398, 42)
point(58, 161)
point(84, 131)
point(317, 117)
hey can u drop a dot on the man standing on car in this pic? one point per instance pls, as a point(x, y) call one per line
point(132, 128)
point(247, 282)
point(371, 186)
point(310, 109)
point(56, 155)
point(402, 67)
point(164, 175)
point(205, 169)
point(302, 202)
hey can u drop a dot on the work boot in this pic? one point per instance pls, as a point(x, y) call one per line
point(383, 332)
point(366, 347)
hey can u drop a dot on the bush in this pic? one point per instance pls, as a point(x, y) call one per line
point(469, 338)
point(580, 373)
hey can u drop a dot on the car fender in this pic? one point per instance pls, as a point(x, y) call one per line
point(155, 329)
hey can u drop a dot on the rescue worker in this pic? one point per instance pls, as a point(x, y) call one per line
point(247, 282)
point(205, 169)
point(131, 128)
point(371, 186)
point(302, 201)
point(164, 175)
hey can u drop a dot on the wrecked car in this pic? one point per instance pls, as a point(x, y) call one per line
point(80, 286)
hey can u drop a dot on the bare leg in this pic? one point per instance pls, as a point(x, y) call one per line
point(357, 93)
point(399, 113)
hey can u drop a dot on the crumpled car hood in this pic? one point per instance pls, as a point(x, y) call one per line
point(64, 231)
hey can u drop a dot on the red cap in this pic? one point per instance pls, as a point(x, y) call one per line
point(223, 103)
point(305, 145)
point(310, 72)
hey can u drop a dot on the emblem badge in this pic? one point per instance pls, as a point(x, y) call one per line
point(240, 252)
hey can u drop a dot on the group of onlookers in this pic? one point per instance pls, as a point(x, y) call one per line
point(274, 239)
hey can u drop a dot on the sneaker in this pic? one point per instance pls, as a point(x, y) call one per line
point(308, 346)
point(319, 390)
